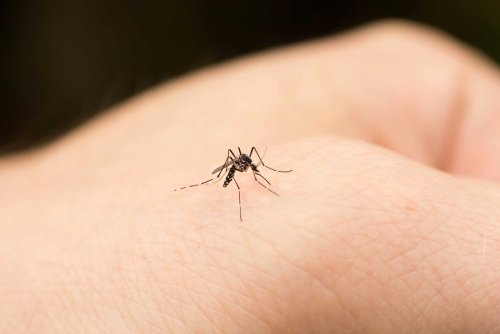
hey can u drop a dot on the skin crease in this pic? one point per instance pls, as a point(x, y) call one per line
point(389, 223)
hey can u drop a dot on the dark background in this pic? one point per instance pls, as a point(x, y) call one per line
point(63, 61)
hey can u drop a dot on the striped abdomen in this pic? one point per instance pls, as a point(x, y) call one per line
point(229, 177)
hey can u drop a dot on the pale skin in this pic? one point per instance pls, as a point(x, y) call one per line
point(389, 222)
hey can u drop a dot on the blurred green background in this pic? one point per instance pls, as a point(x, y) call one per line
point(63, 61)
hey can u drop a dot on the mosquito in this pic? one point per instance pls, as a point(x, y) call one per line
point(241, 163)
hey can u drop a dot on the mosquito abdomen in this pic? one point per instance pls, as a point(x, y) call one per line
point(229, 177)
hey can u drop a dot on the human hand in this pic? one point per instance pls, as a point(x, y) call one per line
point(389, 222)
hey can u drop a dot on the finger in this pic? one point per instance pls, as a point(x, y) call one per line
point(419, 93)
point(404, 87)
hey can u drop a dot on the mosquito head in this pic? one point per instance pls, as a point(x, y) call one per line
point(246, 159)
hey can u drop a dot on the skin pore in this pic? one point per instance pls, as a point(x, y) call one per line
point(389, 222)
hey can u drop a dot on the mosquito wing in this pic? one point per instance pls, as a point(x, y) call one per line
point(227, 164)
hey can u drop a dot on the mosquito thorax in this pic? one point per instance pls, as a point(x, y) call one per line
point(242, 163)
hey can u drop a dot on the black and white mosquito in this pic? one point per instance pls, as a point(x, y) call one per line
point(240, 163)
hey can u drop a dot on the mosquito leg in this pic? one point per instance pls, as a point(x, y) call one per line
point(262, 184)
point(257, 173)
point(239, 197)
point(194, 185)
point(230, 151)
point(202, 183)
point(263, 155)
point(263, 164)
point(223, 165)
point(228, 157)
